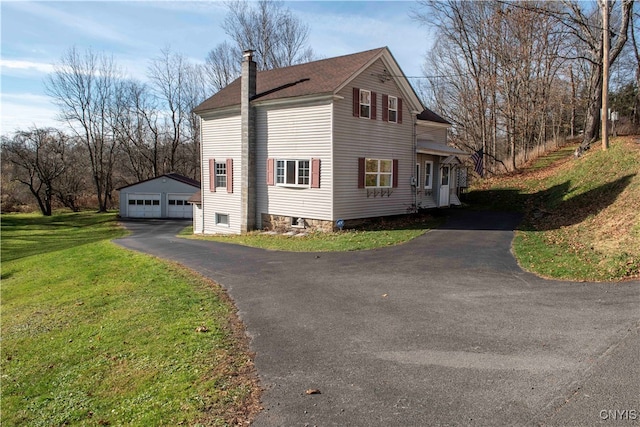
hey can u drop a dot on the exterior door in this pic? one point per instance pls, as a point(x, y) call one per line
point(444, 185)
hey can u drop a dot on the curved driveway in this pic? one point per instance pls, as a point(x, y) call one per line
point(443, 330)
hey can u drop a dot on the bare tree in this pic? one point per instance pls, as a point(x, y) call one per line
point(38, 156)
point(179, 87)
point(83, 86)
point(584, 23)
point(222, 66)
point(509, 74)
point(138, 130)
point(73, 184)
point(277, 36)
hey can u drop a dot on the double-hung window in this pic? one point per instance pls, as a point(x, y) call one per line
point(378, 173)
point(365, 103)
point(292, 172)
point(393, 109)
point(428, 175)
point(221, 174)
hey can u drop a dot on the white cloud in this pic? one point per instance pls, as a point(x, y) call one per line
point(86, 26)
point(24, 110)
point(15, 64)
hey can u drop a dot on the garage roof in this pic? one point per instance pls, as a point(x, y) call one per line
point(176, 177)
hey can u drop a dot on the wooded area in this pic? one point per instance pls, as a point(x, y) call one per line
point(512, 77)
point(517, 77)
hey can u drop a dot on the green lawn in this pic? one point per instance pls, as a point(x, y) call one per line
point(582, 216)
point(93, 334)
point(385, 232)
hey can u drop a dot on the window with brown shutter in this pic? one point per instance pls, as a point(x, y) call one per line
point(395, 173)
point(377, 173)
point(212, 175)
point(270, 172)
point(374, 103)
point(315, 173)
point(399, 110)
point(229, 175)
point(356, 102)
point(361, 161)
point(385, 108)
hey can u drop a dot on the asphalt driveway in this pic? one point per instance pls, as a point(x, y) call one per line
point(443, 330)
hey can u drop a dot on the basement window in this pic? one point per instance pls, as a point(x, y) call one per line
point(222, 219)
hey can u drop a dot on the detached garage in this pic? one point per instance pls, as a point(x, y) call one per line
point(166, 196)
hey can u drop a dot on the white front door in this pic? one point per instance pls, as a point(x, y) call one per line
point(445, 172)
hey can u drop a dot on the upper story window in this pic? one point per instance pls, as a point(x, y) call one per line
point(292, 172)
point(378, 173)
point(393, 109)
point(221, 174)
point(365, 103)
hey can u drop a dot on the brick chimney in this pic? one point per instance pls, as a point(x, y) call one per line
point(248, 140)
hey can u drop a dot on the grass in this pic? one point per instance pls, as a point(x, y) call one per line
point(582, 216)
point(93, 334)
point(388, 232)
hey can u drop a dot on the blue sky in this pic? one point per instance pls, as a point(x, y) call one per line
point(36, 34)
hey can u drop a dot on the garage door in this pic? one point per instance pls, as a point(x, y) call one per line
point(144, 206)
point(179, 207)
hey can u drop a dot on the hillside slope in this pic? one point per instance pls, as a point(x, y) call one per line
point(582, 216)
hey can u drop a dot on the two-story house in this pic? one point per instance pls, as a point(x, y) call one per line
point(343, 138)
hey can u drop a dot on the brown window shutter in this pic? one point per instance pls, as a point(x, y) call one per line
point(395, 173)
point(356, 102)
point(399, 114)
point(270, 171)
point(212, 175)
point(385, 108)
point(374, 103)
point(229, 175)
point(315, 173)
point(361, 161)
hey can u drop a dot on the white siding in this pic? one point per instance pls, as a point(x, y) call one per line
point(356, 137)
point(294, 133)
point(221, 141)
point(435, 133)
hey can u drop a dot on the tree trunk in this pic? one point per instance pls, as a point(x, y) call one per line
point(592, 120)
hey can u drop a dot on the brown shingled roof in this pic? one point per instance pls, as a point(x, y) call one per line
point(324, 76)
point(431, 116)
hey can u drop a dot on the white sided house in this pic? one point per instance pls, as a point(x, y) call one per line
point(343, 138)
point(166, 196)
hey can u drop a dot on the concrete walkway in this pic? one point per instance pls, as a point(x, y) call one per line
point(443, 330)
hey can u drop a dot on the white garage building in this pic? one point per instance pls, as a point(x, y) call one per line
point(165, 196)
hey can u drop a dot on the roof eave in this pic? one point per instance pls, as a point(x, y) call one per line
point(409, 94)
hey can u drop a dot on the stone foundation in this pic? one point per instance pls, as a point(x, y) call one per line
point(283, 223)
